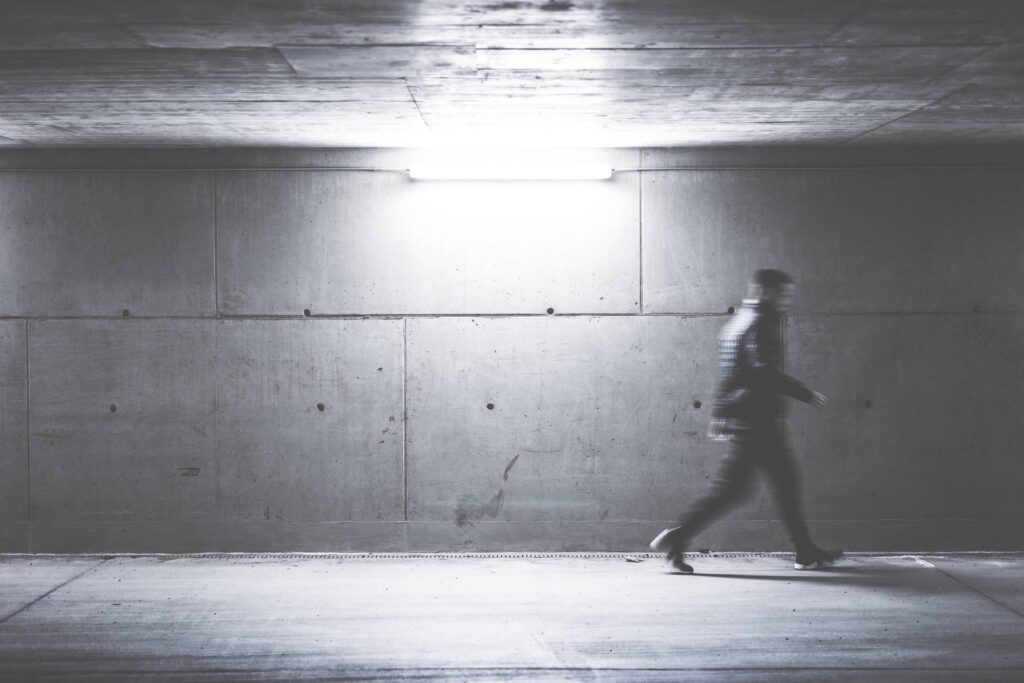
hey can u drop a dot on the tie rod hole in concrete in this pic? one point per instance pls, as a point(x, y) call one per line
point(125, 313)
point(697, 405)
point(113, 408)
point(320, 407)
point(731, 310)
point(306, 312)
point(551, 311)
point(490, 406)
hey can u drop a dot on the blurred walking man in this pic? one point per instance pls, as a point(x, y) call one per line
point(750, 413)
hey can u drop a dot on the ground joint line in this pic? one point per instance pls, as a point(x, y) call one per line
point(53, 590)
point(980, 592)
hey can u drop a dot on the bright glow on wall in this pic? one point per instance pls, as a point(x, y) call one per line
point(491, 164)
point(487, 246)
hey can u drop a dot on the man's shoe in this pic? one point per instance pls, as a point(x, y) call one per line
point(675, 558)
point(816, 558)
point(670, 541)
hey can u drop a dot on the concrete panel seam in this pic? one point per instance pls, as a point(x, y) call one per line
point(412, 96)
point(640, 229)
point(28, 436)
point(523, 554)
point(213, 169)
point(53, 590)
point(915, 110)
point(405, 419)
point(504, 316)
point(357, 316)
point(618, 169)
point(979, 592)
point(216, 256)
point(821, 167)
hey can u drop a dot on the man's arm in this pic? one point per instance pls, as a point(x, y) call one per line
point(742, 367)
point(794, 388)
point(774, 379)
point(801, 392)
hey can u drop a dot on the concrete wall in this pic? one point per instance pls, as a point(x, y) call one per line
point(256, 350)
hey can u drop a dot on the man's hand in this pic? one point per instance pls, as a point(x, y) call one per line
point(818, 399)
point(716, 431)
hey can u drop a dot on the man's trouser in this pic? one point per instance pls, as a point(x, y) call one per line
point(764, 448)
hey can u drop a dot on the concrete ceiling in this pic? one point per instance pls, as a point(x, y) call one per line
point(567, 72)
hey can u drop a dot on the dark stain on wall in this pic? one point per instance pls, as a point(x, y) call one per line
point(508, 468)
point(471, 509)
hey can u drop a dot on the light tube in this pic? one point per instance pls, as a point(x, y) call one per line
point(505, 170)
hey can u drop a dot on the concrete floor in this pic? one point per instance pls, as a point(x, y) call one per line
point(516, 617)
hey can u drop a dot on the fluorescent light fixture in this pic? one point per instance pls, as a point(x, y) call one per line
point(489, 165)
point(438, 171)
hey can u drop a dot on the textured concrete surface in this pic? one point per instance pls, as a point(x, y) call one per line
point(133, 241)
point(998, 340)
point(229, 421)
point(594, 618)
point(13, 424)
point(595, 73)
point(927, 421)
point(878, 450)
point(595, 438)
point(550, 419)
point(858, 240)
point(380, 243)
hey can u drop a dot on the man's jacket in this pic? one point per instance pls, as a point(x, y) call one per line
point(751, 382)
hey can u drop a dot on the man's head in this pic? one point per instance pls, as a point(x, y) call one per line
point(774, 288)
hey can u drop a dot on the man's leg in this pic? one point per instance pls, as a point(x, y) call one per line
point(781, 469)
point(731, 484)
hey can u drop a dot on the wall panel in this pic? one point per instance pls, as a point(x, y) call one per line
point(903, 437)
point(592, 419)
point(217, 421)
point(99, 243)
point(235, 430)
point(857, 240)
point(380, 243)
point(13, 423)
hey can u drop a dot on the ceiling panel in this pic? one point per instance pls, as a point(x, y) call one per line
point(749, 66)
point(587, 72)
point(381, 61)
